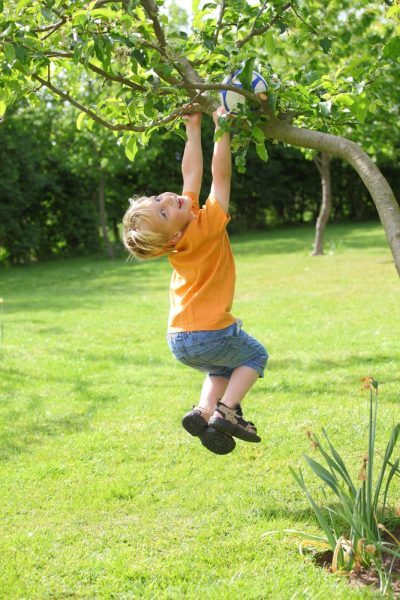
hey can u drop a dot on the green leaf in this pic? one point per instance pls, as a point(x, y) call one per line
point(218, 135)
point(386, 460)
point(393, 470)
point(164, 70)
point(79, 121)
point(140, 55)
point(105, 13)
point(180, 133)
point(360, 109)
point(148, 107)
point(20, 53)
point(246, 75)
point(3, 107)
point(298, 477)
point(48, 15)
point(9, 53)
point(325, 108)
point(323, 474)
point(80, 17)
point(392, 48)
point(343, 99)
point(21, 5)
point(262, 151)
point(131, 148)
point(258, 134)
point(325, 44)
point(270, 42)
point(340, 464)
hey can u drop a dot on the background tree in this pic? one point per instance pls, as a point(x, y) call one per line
point(374, 99)
point(146, 76)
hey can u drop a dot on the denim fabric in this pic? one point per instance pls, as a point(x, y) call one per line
point(218, 352)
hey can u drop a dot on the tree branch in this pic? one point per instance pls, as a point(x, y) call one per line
point(318, 163)
point(263, 29)
point(82, 108)
point(50, 28)
point(258, 14)
point(119, 127)
point(151, 10)
point(220, 17)
point(189, 85)
point(382, 195)
point(303, 21)
point(99, 71)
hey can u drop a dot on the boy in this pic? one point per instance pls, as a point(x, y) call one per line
point(202, 332)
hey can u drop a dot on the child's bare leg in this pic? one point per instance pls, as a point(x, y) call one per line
point(241, 381)
point(228, 417)
point(213, 389)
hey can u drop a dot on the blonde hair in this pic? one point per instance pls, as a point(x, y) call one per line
point(137, 236)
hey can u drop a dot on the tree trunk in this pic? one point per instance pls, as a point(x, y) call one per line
point(378, 187)
point(323, 164)
point(103, 217)
point(117, 237)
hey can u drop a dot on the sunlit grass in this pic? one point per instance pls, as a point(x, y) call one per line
point(105, 495)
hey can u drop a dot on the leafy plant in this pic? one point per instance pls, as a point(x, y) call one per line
point(352, 527)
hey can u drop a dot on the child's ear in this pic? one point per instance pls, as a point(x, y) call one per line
point(174, 239)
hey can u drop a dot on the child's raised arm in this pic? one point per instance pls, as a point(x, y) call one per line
point(192, 160)
point(221, 166)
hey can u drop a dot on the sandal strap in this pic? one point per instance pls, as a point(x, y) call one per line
point(234, 415)
point(203, 410)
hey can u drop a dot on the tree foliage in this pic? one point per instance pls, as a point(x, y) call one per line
point(145, 70)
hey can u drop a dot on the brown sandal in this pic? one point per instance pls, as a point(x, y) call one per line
point(195, 423)
point(231, 422)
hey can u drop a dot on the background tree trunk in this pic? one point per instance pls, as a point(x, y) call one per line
point(381, 192)
point(323, 164)
point(103, 217)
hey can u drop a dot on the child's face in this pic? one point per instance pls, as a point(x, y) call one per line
point(170, 214)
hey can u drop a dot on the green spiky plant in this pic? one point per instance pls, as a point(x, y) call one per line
point(360, 505)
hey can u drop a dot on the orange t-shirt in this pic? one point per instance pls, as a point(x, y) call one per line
point(203, 281)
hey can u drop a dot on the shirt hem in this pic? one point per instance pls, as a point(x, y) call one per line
point(203, 327)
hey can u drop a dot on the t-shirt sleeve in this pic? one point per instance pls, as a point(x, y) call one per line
point(194, 198)
point(212, 217)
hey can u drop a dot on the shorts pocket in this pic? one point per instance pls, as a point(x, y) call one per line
point(208, 351)
point(215, 352)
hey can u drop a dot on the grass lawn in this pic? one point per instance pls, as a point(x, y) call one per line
point(103, 494)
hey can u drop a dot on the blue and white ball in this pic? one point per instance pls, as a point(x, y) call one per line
point(230, 100)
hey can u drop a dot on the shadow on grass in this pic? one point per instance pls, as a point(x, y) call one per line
point(300, 239)
point(80, 283)
point(20, 438)
point(292, 513)
point(322, 365)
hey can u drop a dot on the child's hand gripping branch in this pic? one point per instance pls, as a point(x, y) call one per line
point(202, 332)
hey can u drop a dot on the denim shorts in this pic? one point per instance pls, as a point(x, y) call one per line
point(218, 352)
